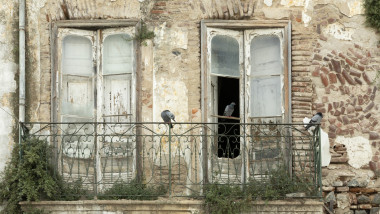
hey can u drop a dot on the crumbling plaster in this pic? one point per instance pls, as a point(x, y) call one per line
point(8, 72)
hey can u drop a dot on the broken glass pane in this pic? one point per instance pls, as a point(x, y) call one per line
point(266, 55)
point(266, 96)
point(225, 56)
point(118, 54)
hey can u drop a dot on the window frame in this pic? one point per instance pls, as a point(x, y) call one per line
point(93, 25)
point(244, 25)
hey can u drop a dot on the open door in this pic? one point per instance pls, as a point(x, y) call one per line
point(225, 59)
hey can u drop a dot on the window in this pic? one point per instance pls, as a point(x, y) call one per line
point(96, 75)
point(95, 68)
point(249, 67)
point(245, 62)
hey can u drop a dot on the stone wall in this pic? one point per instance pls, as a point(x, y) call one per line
point(166, 206)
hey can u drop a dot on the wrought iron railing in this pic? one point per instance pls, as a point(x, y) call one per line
point(183, 159)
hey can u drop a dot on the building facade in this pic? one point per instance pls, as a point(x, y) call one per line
point(284, 60)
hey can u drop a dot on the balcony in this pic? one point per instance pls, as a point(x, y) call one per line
point(184, 160)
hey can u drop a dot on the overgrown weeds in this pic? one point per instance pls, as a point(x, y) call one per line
point(133, 190)
point(28, 176)
point(234, 198)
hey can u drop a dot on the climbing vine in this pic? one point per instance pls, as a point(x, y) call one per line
point(372, 12)
point(28, 176)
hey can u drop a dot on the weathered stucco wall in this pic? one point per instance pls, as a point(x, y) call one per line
point(335, 58)
point(8, 77)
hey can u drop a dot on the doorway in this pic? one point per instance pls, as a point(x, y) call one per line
point(228, 129)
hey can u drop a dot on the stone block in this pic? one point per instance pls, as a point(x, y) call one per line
point(375, 210)
point(376, 199)
point(363, 199)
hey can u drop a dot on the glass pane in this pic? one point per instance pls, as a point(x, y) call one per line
point(117, 98)
point(118, 54)
point(266, 55)
point(77, 56)
point(225, 56)
point(266, 96)
point(77, 96)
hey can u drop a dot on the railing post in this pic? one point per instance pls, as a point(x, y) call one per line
point(244, 156)
point(170, 163)
point(204, 155)
point(139, 156)
point(96, 160)
point(319, 162)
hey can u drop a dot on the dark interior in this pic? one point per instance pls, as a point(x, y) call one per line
point(228, 131)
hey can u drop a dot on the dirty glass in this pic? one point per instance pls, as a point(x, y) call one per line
point(117, 69)
point(77, 78)
point(266, 56)
point(77, 56)
point(225, 56)
point(266, 70)
point(117, 54)
point(266, 96)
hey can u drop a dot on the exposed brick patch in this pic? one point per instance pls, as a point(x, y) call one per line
point(348, 77)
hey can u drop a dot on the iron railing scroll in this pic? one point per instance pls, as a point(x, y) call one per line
point(182, 159)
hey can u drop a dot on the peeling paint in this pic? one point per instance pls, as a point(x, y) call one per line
point(339, 31)
point(8, 70)
point(268, 3)
point(171, 37)
point(290, 3)
point(358, 150)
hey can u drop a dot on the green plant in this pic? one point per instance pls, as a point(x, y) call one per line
point(28, 176)
point(225, 199)
point(143, 34)
point(133, 190)
point(231, 198)
point(278, 184)
point(372, 12)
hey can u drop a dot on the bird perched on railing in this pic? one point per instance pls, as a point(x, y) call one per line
point(229, 109)
point(315, 119)
point(167, 116)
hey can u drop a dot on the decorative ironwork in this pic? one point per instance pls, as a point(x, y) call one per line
point(184, 158)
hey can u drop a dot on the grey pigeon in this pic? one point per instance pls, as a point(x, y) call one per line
point(315, 119)
point(229, 109)
point(167, 116)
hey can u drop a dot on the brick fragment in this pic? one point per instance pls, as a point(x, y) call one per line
point(362, 190)
point(336, 65)
point(324, 79)
point(358, 81)
point(350, 61)
point(373, 136)
point(348, 77)
point(318, 57)
point(341, 79)
point(373, 93)
point(369, 107)
point(355, 73)
point(332, 78)
point(366, 79)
